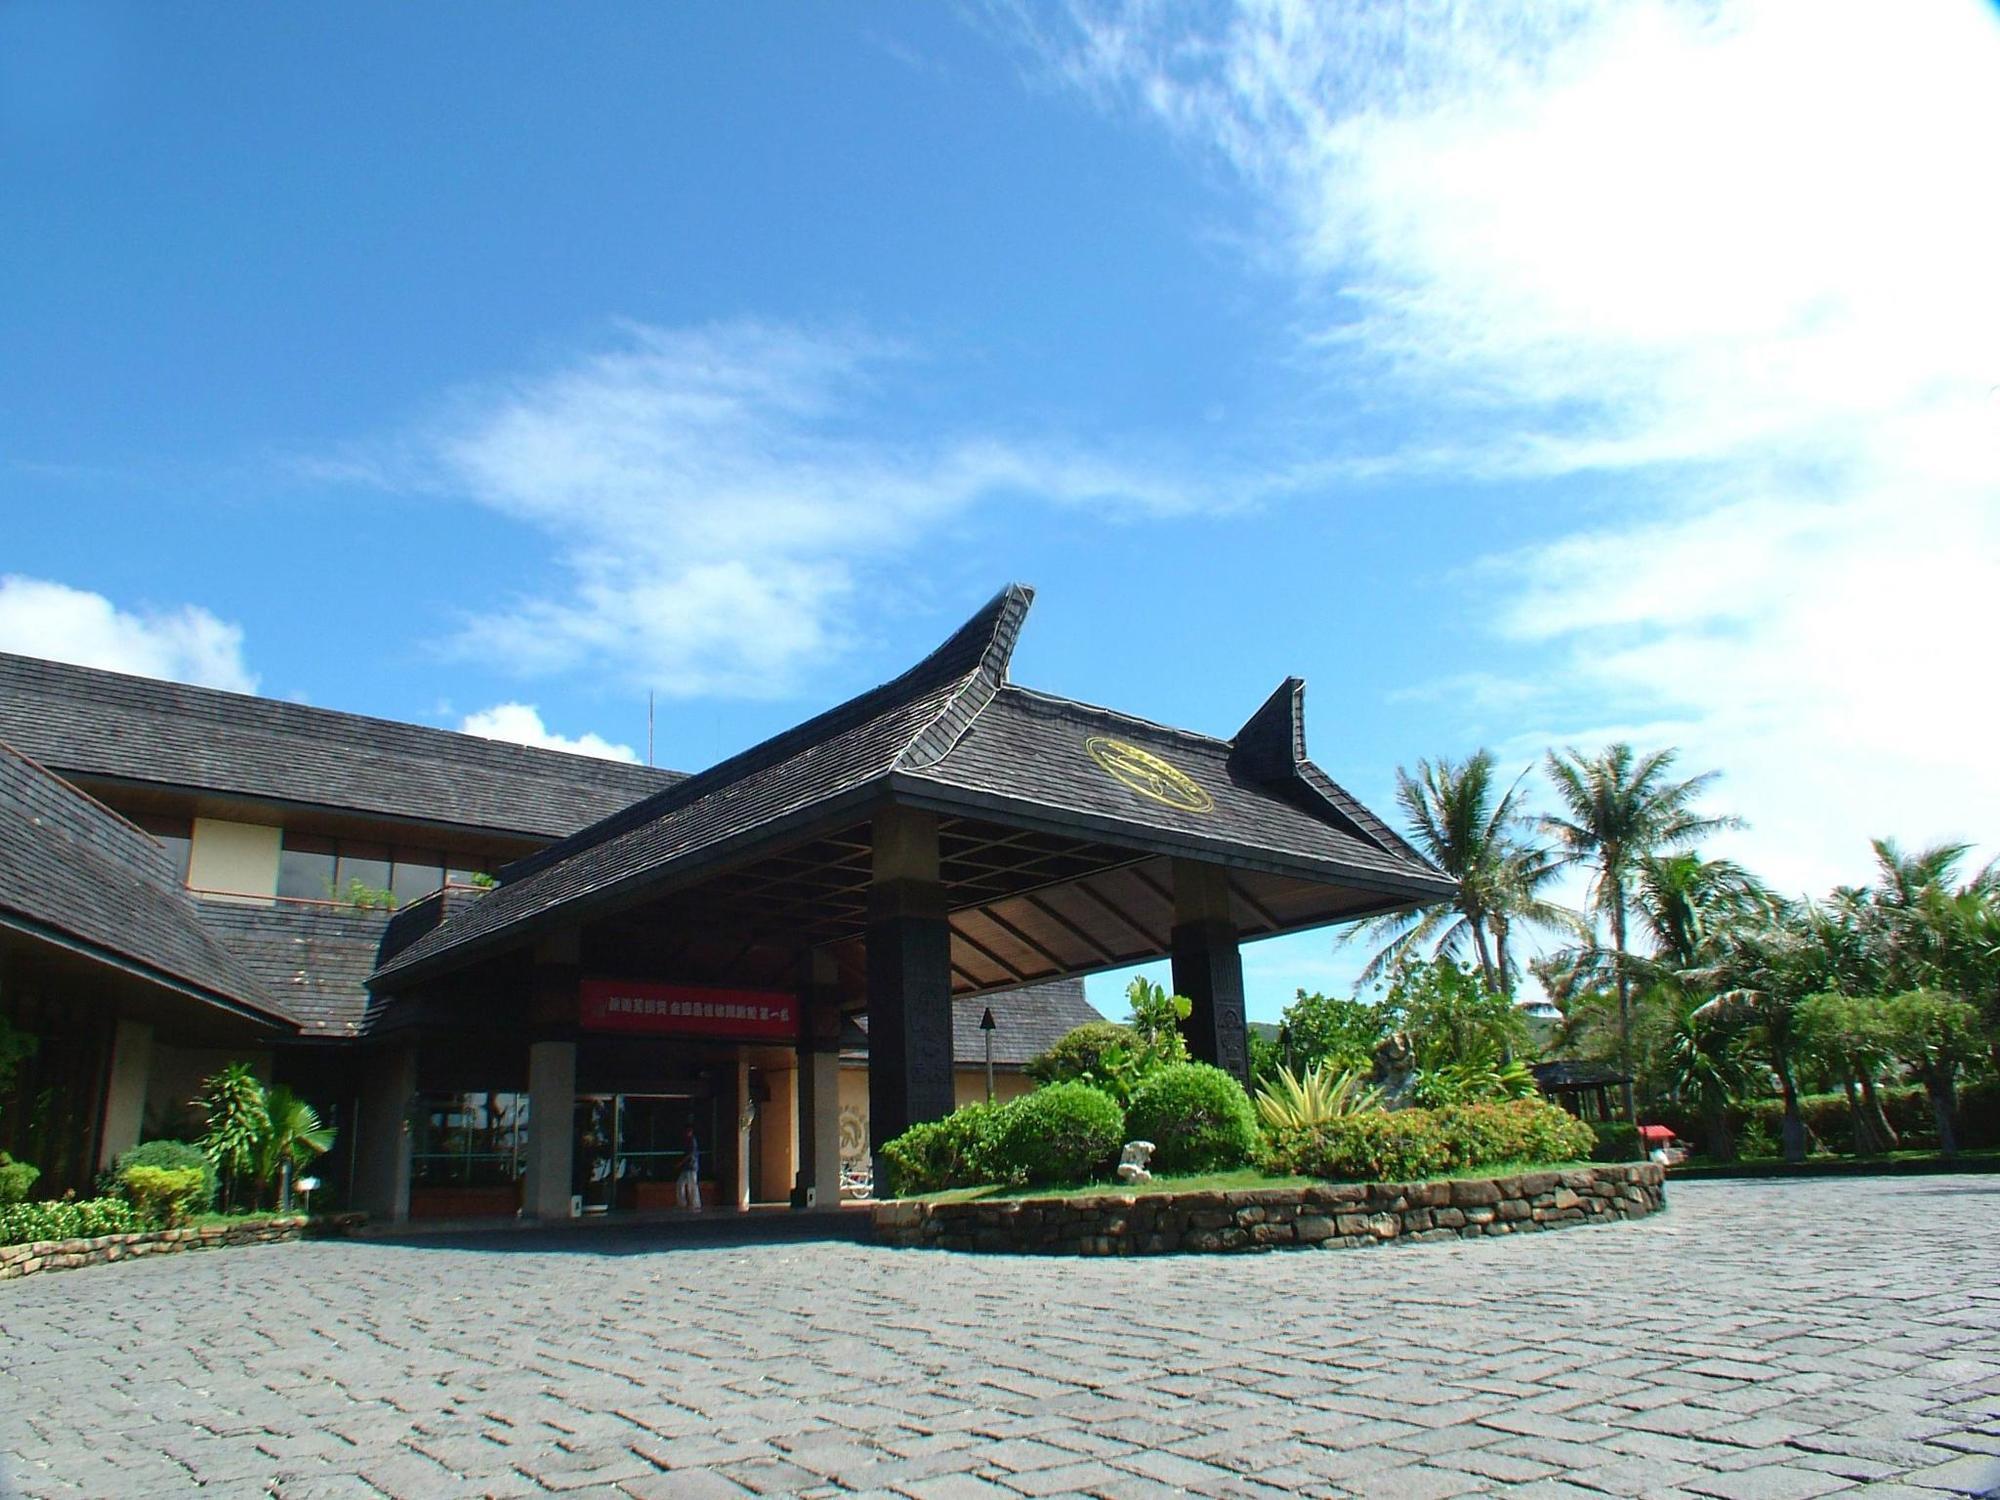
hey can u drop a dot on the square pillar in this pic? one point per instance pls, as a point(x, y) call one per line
point(382, 1156)
point(818, 1074)
point(125, 1091)
point(909, 978)
point(1208, 970)
point(551, 1128)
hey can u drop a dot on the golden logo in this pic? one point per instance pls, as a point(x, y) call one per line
point(1148, 775)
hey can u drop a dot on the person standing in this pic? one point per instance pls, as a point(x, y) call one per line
point(687, 1187)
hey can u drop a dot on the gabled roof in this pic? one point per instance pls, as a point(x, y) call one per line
point(74, 873)
point(1026, 1023)
point(83, 721)
point(952, 733)
point(315, 960)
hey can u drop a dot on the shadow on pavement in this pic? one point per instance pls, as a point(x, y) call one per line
point(606, 1236)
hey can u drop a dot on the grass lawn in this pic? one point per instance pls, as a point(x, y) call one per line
point(1984, 1160)
point(1241, 1180)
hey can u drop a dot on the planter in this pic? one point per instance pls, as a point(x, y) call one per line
point(1325, 1216)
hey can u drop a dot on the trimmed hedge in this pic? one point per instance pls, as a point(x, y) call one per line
point(82, 1219)
point(1830, 1124)
point(1197, 1116)
point(174, 1156)
point(953, 1152)
point(163, 1196)
point(1066, 1132)
point(17, 1179)
point(1405, 1144)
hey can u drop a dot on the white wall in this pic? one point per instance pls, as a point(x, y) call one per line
point(238, 859)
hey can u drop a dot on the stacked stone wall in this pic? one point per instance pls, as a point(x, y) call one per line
point(1325, 1216)
point(67, 1255)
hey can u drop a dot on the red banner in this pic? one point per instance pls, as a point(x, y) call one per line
point(689, 1010)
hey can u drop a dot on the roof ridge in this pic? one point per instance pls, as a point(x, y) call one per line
point(962, 709)
point(992, 629)
point(226, 705)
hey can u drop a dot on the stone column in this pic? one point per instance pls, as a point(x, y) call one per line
point(818, 1182)
point(125, 1091)
point(552, 1007)
point(909, 978)
point(551, 1128)
point(382, 1161)
point(1208, 969)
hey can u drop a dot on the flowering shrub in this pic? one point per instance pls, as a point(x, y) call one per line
point(23, 1223)
point(1400, 1145)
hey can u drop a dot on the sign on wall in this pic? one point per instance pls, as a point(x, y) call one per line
point(689, 1010)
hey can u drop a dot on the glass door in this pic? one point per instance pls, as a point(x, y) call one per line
point(594, 1162)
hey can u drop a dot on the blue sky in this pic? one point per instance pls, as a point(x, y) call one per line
point(1516, 377)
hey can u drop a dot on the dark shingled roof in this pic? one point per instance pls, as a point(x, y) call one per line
point(951, 733)
point(1026, 1022)
point(73, 871)
point(315, 959)
point(79, 720)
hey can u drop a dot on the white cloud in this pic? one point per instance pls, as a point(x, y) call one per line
point(521, 724)
point(716, 495)
point(42, 618)
point(1728, 265)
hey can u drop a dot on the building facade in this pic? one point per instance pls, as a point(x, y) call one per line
point(447, 943)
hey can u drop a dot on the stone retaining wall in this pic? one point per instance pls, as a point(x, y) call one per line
point(1326, 1216)
point(66, 1255)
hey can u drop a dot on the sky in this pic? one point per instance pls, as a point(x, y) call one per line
point(1519, 376)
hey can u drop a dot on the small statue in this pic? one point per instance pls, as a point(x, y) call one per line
point(1395, 1069)
point(1132, 1162)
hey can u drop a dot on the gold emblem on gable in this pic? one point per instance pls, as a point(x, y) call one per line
point(1148, 775)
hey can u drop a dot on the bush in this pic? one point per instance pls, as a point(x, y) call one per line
point(1404, 1144)
point(86, 1218)
point(17, 1179)
point(173, 1155)
point(163, 1196)
point(949, 1153)
point(1617, 1140)
point(1197, 1116)
point(1080, 1056)
point(1066, 1132)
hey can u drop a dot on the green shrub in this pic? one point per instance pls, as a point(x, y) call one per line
point(1197, 1116)
point(1066, 1132)
point(173, 1155)
point(1404, 1144)
point(1617, 1140)
point(164, 1196)
point(949, 1153)
point(85, 1218)
point(17, 1179)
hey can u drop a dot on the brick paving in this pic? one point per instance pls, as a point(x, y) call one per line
point(1759, 1341)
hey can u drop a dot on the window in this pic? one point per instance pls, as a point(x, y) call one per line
point(418, 872)
point(306, 867)
point(367, 863)
point(469, 1140)
point(175, 835)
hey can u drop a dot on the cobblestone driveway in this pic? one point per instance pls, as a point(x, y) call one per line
point(1849, 1333)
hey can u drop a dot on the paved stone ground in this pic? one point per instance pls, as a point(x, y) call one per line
point(1847, 1337)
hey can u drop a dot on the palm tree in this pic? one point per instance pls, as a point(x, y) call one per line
point(292, 1137)
point(1623, 808)
point(1706, 1069)
point(1466, 826)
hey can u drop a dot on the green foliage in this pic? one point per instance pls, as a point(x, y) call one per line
point(956, 1151)
point(1064, 1132)
point(1197, 1116)
point(163, 1196)
point(362, 895)
point(1617, 1140)
point(1933, 1035)
point(172, 1155)
point(85, 1218)
point(1321, 1029)
point(17, 1179)
point(1452, 1016)
point(16, 1047)
point(1326, 1092)
point(1400, 1145)
point(292, 1136)
point(1478, 1076)
point(1117, 1058)
point(232, 1101)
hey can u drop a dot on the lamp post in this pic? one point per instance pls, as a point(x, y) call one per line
point(986, 1025)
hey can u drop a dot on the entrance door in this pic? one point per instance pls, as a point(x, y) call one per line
point(594, 1156)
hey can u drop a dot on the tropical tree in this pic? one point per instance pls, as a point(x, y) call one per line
point(1850, 1036)
point(1760, 976)
point(1460, 818)
point(292, 1137)
point(1622, 808)
point(1706, 1069)
point(1935, 1036)
point(1338, 1030)
point(232, 1100)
